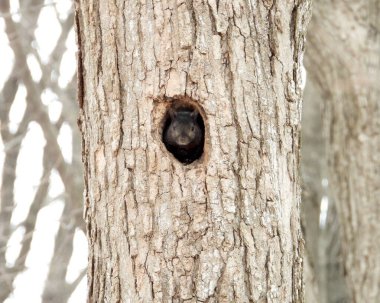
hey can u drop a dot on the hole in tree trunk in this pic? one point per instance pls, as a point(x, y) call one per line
point(184, 132)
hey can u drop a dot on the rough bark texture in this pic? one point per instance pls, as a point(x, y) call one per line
point(225, 228)
point(344, 59)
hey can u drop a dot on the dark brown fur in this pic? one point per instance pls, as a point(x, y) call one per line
point(183, 134)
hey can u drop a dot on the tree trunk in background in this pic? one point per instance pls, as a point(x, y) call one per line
point(346, 65)
point(225, 228)
point(312, 291)
point(312, 164)
point(324, 278)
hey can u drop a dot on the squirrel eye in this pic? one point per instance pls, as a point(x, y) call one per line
point(192, 128)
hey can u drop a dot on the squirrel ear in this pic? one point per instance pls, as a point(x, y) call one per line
point(172, 113)
point(194, 114)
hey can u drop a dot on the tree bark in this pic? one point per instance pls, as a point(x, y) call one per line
point(344, 60)
point(225, 228)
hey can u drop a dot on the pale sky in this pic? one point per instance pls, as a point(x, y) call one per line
point(29, 165)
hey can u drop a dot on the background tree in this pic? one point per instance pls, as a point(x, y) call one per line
point(325, 276)
point(343, 60)
point(226, 227)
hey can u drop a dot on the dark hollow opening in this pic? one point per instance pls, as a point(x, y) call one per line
point(184, 133)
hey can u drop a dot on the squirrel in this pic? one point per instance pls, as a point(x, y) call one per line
point(183, 134)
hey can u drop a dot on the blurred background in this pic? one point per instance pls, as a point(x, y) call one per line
point(43, 248)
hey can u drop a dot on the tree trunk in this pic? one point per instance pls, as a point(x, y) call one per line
point(344, 59)
point(225, 228)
